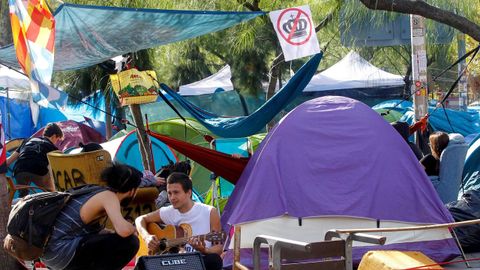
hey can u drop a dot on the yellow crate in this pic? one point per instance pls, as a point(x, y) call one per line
point(395, 260)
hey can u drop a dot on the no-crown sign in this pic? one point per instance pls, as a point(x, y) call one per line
point(295, 26)
point(295, 32)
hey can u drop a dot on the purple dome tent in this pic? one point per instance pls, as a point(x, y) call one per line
point(335, 163)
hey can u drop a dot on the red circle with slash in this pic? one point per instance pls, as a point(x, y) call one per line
point(299, 13)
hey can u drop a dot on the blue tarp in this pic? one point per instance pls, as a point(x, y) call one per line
point(243, 126)
point(20, 124)
point(88, 35)
point(396, 104)
point(91, 114)
point(463, 122)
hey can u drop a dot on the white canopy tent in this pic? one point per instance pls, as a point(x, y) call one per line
point(353, 72)
point(17, 84)
point(13, 79)
point(221, 79)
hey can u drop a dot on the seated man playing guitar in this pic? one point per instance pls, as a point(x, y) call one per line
point(203, 221)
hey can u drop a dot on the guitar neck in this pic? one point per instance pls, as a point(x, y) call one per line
point(184, 240)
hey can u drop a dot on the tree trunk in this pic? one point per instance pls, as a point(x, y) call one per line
point(272, 84)
point(143, 140)
point(108, 117)
point(407, 90)
point(423, 9)
point(5, 28)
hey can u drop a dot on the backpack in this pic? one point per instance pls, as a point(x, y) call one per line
point(35, 146)
point(31, 221)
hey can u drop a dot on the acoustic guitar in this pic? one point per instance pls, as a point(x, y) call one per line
point(173, 238)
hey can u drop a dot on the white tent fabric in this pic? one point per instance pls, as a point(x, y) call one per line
point(12, 79)
point(352, 72)
point(221, 79)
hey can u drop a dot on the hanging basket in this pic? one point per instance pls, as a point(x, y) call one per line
point(135, 87)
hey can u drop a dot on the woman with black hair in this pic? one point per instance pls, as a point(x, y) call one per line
point(78, 240)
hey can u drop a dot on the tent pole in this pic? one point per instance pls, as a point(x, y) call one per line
point(457, 241)
point(8, 115)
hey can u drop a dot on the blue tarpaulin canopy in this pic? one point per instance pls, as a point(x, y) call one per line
point(88, 35)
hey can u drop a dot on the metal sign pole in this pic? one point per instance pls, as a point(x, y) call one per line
point(419, 68)
point(462, 84)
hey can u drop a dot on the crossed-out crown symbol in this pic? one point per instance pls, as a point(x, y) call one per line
point(299, 31)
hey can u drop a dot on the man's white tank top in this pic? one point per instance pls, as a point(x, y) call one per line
point(198, 218)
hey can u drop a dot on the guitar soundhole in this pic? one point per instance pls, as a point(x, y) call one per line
point(163, 244)
point(174, 250)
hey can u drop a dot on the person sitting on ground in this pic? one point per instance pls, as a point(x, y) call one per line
point(32, 163)
point(403, 129)
point(78, 241)
point(201, 217)
point(431, 162)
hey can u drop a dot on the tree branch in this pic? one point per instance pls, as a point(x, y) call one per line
point(255, 5)
point(325, 21)
point(250, 6)
point(419, 7)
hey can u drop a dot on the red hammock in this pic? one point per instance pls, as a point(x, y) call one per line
point(221, 164)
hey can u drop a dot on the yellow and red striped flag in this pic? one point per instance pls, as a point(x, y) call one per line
point(33, 30)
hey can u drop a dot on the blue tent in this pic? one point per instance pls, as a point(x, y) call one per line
point(125, 150)
point(471, 169)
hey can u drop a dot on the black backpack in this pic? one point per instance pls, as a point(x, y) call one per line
point(31, 221)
